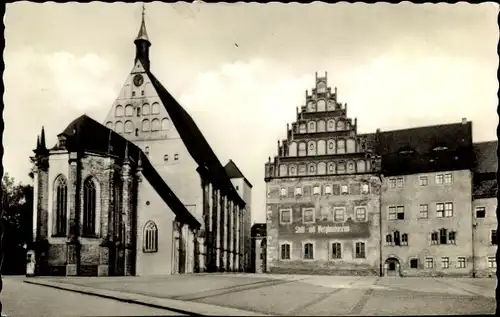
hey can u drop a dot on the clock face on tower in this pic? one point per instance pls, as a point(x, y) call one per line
point(138, 80)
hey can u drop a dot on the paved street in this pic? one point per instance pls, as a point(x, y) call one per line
point(21, 299)
point(303, 294)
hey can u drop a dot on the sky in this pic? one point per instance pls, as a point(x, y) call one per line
point(241, 70)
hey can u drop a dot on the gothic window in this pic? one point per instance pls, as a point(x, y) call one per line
point(331, 147)
point(283, 170)
point(155, 125)
point(321, 105)
point(129, 126)
point(321, 126)
point(145, 125)
point(340, 146)
point(165, 124)
point(145, 109)
point(119, 127)
point(321, 147)
point(312, 148)
point(331, 125)
point(292, 149)
point(321, 168)
point(302, 128)
point(89, 207)
point(150, 237)
point(361, 165)
point(109, 125)
point(155, 108)
point(351, 146)
point(302, 149)
point(117, 216)
point(60, 203)
point(129, 110)
point(119, 111)
point(331, 168)
point(311, 127)
point(341, 168)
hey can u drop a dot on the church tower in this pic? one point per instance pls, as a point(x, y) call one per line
point(139, 115)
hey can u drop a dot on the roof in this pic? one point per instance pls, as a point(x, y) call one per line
point(486, 157)
point(484, 185)
point(196, 143)
point(85, 134)
point(234, 172)
point(425, 149)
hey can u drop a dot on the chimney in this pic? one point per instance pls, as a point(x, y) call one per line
point(464, 120)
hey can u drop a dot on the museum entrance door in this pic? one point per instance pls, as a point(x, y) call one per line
point(391, 267)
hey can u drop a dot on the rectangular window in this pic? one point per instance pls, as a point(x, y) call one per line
point(308, 251)
point(392, 213)
point(440, 210)
point(434, 238)
point(285, 216)
point(414, 263)
point(360, 250)
point(401, 212)
point(298, 191)
point(165, 157)
point(492, 262)
point(451, 237)
point(336, 250)
point(328, 190)
point(422, 180)
point(493, 237)
point(344, 189)
point(448, 178)
point(392, 183)
point(423, 211)
point(461, 262)
point(355, 189)
point(283, 192)
point(443, 238)
point(308, 215)
point(439, 179)
point(336, 189)
point(404, 239)
point(176, 157)
point(445, 262)
point(285, 251)
point(316, 190)
point(448, 209)
point(360, 213)
point(480, 212)
point(399, 182)
point(429, 263)
point(307, 191)
point(338, 214)
point(365, 189)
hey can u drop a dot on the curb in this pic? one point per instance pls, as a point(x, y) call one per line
point(177, 306)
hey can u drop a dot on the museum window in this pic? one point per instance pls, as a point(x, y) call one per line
point(480, 212)
point(316, 190)
point(285, 216)
point(360, 250)
point(388, 239)
point(493, 237)
point(336, 250)
point(492, 262)
point(423, 211)
point(89, 207)
point(308, 215)
point(422, 180)
point(414, 264)
point(429, 263)
point(150, 237)
point(285, 251)
point(298, 191)
point(308, 251)
point(404, 239)
point(338, 214)
point(445, 262)
point(461, 263)
point(61, 204)
point(360, 214)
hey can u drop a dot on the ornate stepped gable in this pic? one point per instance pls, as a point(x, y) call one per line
point(323, 140)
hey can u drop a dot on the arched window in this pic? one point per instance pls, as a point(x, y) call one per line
point(312, 148)
point(341, 168)
point(312, 169)
point(117, 212)
point(308, 251)
point(302, 128)
point(331, 147)
point(109, 125)
point(293, 170)
point(155, 125)
point(129, 127)
point(150, 237)
point(311, 106)
point(331, 105)
point(119, 127)
point(331, 168)
point(321, 147)
point(145, 125)
point(388, 239)
point(361, 167)
point(283, 170)
point(165, 124)
point(321, 127)
point(351, 146)
point(302, 169)
point(129, 110)
point(340, 125)
point(89, 207)
point(312, 127)
point(302, 149)
point(119, 111)
point(60, 206)
point(321, 105)
point(321, 87)
point(145, 109)
point(321, 168)
point(138, 111)
point(350, 167)
point(292, 150)
point(331, 125)
point(155, 108)
point(340, 146)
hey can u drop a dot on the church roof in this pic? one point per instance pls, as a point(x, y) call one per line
point(86, 134)
point(196, 143)
point(233, 171)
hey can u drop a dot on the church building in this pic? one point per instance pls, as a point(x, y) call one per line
point(142, 193)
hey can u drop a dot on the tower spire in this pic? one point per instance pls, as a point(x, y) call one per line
point(142, 43)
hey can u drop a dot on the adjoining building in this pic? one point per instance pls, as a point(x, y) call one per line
point(102, 203)
point(412, 202)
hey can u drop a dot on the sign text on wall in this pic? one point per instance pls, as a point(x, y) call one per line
point(322, 229)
